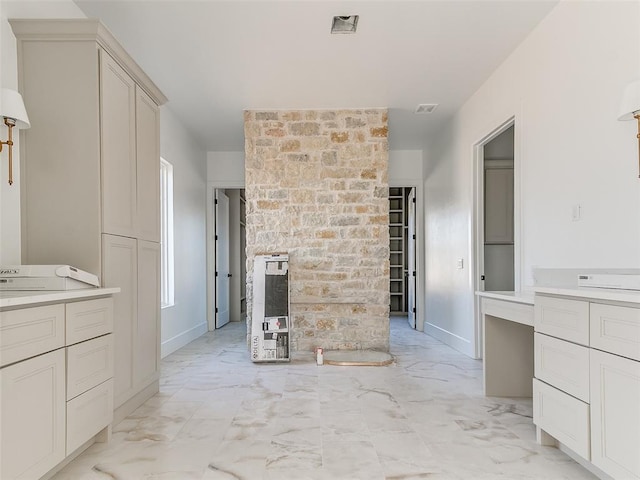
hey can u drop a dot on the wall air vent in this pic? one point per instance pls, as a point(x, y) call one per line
point(344, 24)
point(425, 108)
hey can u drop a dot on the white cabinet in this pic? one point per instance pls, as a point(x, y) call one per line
point(89, 203)
point(147, 166)
point(118, 141)
point(587, 385)
point(120, 257)
point(564, 417)
point(134, 265)
point(562, 364)
point(147, 335)
point(55, 395)
point(32, 414)
point(615, 415)
point(563, 318)
point(29, 331)
point(616, 329)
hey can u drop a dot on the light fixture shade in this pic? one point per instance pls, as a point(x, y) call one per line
point(12, 106)
point(630, 101)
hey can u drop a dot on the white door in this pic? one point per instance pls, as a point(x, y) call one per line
point(222, 259)
point(411, 259)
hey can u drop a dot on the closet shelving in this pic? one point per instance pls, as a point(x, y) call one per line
point(398, 228)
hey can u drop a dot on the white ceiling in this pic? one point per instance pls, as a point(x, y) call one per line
point(213, 59)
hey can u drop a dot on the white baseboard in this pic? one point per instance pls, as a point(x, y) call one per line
point(463, 345)
point(182, 339)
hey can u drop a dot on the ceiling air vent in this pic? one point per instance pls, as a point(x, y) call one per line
point(344, 24)
point(425, 108)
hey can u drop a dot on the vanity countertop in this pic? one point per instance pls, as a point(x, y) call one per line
point(12, 298)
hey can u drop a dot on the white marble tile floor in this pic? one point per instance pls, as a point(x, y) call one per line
point(220, 417)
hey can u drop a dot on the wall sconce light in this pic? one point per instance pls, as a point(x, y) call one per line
point(15, 115)
point(630, 109)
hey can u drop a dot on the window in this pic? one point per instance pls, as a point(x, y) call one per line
point(166, 233)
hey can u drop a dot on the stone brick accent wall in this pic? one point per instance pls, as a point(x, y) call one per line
point(317, 188)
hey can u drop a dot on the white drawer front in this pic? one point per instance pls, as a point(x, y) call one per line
point(562, 318)
point(616, 330)
point(89, 319)
point(562, 416)
point(615, 415)
point(89, 364)
point(28, 332)
point(516, 312)
point(562, 364)
point(89, 413)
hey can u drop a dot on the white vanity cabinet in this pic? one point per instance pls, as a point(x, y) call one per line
point(615, 390)
point(95, 203)
point(587, 377)
point(56, 377)
point(32, 416)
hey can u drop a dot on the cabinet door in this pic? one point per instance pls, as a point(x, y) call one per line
point(118, 145)
point(148, 166)
point(32, 400)
point(147, 335)
point(615, 415)
point(120, 270)
point(498, 222)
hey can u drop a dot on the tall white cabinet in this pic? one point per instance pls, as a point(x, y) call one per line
point(90, 180)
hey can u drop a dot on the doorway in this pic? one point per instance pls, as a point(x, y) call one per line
point(227, 257)
point(496, 217)
point(402, 253)
point(498, 241)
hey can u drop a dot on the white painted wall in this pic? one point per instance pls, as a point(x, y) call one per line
point(187, 319)
point(10, 195)
point(563, 84)
point(225, 169)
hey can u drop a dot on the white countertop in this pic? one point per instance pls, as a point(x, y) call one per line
point(514, 297)
point(24, 298)
point(611, 294)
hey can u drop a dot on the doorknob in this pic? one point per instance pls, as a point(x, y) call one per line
point(229, 275)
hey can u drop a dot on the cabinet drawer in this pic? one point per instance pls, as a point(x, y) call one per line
point(562, 318)
point(89, 319)
point(562, 416)
point(89, 364)
point(615, 415)
point(562, 364)
point(89, 413)
point(616, 330)
point(28, 332)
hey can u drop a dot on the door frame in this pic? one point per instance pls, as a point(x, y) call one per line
point(211, 247)
point(420, 254)
point(477, 262)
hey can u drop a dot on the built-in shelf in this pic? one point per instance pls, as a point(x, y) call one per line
point(398, 234)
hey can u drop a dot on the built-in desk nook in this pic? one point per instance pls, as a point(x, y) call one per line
point(56, 377)
point(576, 352)
point(507, 343)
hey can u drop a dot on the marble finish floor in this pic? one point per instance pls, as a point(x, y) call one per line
point(220, 417)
